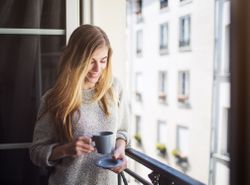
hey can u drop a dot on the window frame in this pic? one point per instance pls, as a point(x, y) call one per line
point(164, 47)
point(185, 23)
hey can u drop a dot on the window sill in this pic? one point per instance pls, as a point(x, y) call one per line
point(185, 48)
point(164, 9)
point(163, 52)
point(184, 105)
point(185, 2)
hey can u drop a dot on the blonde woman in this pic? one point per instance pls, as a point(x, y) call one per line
point(85, 99)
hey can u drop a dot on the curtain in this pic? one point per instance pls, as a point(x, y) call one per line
point(27, 69)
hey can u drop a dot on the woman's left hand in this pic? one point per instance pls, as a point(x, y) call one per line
point(119, 153)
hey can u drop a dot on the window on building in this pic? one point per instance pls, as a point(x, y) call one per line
point(162, 87)
point(138, 86)
point(182, 140)
point(163, 38)
point(163, 3)
point(185, 31)
point(138, 124)
point(161, 132)
point(138, 11)
point(183, 87)
point(138, 6)
point(137, 135)
point(139, 42)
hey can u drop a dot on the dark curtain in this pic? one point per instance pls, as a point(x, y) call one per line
point(240, 93)
point(27, 69)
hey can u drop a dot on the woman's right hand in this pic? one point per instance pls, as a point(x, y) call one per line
point(79, 146)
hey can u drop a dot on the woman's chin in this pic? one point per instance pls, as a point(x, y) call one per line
point(92, 80)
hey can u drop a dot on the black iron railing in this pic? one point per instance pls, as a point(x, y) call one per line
point(161, 173)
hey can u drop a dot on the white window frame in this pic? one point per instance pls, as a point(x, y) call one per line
point(223, 133)
point(162, 86)
point(182, 144)
point(138, 86)
point(138, 124)
point(163, 38)
point(183, 87)
point(139, 42)
point(162, 128)
point(185, 32)
point(72, 21)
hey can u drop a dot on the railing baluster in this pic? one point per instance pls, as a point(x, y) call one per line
point(137, 177)
point(119, 179)
point(124, 178)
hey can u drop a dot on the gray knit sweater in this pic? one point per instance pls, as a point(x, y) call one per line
point(80, 170)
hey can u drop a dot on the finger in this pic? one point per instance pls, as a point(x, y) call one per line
point(81, 151)
point(80, 143)
point(83, 148)
point(116, 155)
point(87, 140)
point(87, 147)
point(118, 170)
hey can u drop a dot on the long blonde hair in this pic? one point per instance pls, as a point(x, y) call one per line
point(65, 98)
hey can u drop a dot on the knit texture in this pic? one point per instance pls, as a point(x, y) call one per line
point(80, 170)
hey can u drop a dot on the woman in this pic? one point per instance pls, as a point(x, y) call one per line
point(85, 99)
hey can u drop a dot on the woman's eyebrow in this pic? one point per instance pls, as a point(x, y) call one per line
point(104, 57)
point(101, 58)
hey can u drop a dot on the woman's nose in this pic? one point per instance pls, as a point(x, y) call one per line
point(96, 67)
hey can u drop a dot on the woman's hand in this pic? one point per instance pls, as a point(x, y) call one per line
point(119, 153)
point(79, 146)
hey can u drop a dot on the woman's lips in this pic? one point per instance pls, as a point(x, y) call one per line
point(93, 75)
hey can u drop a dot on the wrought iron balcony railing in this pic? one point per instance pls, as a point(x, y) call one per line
point(161, 173)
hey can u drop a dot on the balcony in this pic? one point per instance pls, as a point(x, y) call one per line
point(161, 174)
point(162, 98)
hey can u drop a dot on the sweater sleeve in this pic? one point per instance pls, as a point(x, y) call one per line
point(44, 139)
point(123, 114)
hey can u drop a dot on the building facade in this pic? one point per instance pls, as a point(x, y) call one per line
point(172, 63)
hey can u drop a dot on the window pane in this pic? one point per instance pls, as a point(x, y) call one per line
point(162, 132)
point(183, 140)
point(164, 36)
point(139, 42)
point(185, 27)
point(27, 69)
point(32, 14)
point(138, 124)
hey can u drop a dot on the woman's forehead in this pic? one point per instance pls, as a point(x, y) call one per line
point(100, 53)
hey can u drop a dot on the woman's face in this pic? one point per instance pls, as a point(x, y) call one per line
point(98, 63)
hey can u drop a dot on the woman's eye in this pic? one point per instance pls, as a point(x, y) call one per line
point(103, 61)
